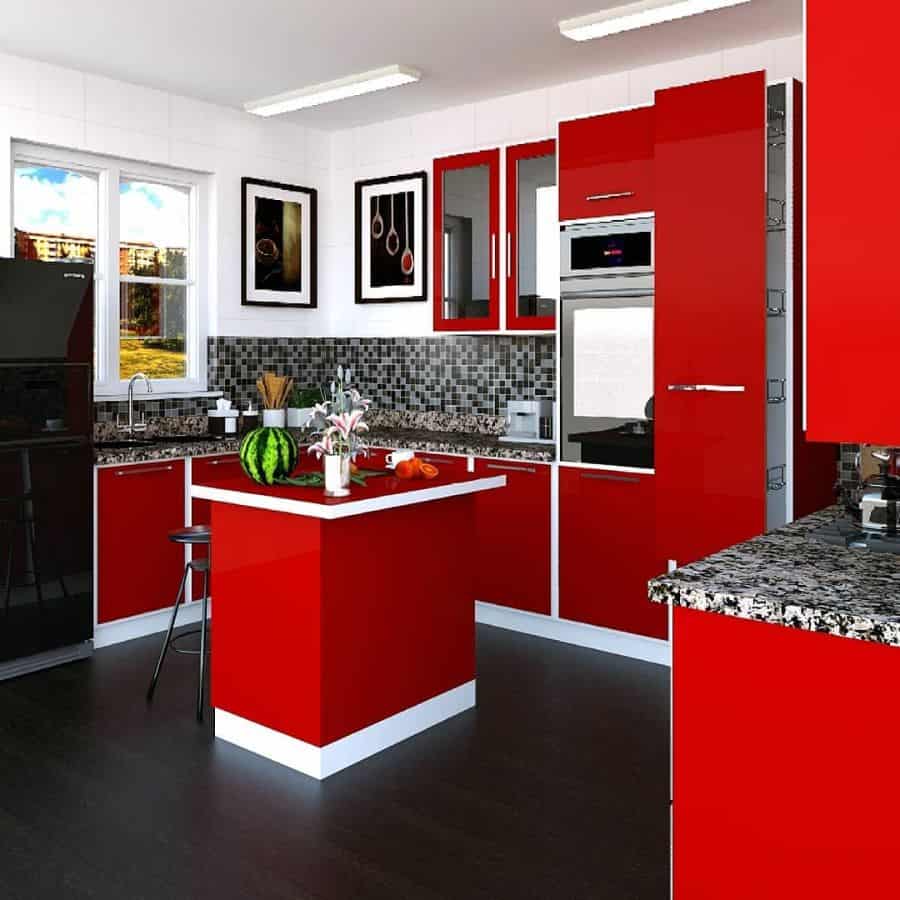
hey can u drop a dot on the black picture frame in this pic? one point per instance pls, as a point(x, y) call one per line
point(307, 197)
point(407, 294)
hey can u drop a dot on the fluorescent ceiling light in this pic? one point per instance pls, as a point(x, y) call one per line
point(637, 15)
point(329, 91)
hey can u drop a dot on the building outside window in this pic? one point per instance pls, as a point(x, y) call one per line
point(140, 227)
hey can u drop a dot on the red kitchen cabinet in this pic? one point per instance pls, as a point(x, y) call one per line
point(530, 168)
point(710, 315)
point(467, 242)
point(512, 542)
point(606, 165)
point(457, 465)
point(607, 551)
point(139, 568)
point(853, 191)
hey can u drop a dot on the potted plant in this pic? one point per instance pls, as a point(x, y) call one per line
point(301, 405)
point(337, 424)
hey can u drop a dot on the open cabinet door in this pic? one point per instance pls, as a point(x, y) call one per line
point(710, 315)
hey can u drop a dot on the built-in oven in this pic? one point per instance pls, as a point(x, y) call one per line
point(607, 247)
point(607, 347)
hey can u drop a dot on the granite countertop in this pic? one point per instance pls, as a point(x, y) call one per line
point(785, 578)
point(465, 444)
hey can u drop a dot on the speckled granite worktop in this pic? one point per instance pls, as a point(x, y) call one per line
point(787, 579)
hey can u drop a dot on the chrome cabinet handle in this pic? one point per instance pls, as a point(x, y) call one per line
point(508, 255)
point(623, 479)
point(617, 196)
point(710, 388)
point(530, 469)
point(223, 462)
point(141, 470)
point(493, 256)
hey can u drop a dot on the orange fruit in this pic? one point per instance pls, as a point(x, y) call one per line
point(428, 471)
point(406, 470)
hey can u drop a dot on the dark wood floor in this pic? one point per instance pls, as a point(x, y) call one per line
point(555, 787)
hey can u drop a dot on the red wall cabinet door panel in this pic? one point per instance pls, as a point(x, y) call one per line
point(853, 192)
point(604, 156)
point(139, 567)
point(529, 167)
point(710, 315)
point(607, 551)
point(512, 545)
point(466, 246)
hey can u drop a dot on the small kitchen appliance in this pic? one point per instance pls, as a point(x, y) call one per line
point(529, 422)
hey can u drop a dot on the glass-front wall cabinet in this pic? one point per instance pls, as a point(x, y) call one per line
point(466, 242)
point(532, 238)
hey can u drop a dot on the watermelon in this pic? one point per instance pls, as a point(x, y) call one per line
point(268, 455)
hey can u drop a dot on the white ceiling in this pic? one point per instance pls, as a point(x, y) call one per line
point(230, 51)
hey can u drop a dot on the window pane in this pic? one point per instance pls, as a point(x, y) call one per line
point(154, 229)
point(151, 330)
point(54, 213)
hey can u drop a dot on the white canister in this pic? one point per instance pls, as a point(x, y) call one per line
point(273, 418)
point(298, 417)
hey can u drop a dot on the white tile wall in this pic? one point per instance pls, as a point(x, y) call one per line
point(52, 105)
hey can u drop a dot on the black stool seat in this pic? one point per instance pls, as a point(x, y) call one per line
point(193, 534)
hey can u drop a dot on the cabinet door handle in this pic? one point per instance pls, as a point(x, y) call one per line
point(620, 195)
point(508, 254)
point(530, 469)
point(710, 388)
point(622, 479)
point(223, 462)
point(141, 470)
point(493, 256)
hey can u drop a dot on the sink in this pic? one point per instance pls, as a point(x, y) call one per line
point(124, 444)
point(131, 443)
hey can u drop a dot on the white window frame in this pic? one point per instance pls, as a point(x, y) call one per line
point(107, 280)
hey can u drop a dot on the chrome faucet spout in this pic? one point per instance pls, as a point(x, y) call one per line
point(142, 425)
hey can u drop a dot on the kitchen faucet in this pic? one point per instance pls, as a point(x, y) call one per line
point(142, 425)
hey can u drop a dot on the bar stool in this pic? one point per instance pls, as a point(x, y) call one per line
point(195, 534)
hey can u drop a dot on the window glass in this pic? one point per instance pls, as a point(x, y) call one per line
point(154, 229)
point(55, 213)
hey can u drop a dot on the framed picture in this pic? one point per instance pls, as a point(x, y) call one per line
point(391, 245)
point(278, 224)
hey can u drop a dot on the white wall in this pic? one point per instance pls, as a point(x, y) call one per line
point(65, 108)
point(62, 107)
point(410, 144)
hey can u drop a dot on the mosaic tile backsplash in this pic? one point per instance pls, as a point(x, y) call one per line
point(461, 374)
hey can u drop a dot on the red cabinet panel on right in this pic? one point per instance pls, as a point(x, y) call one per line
point(607, 551)
point(853, 192)
point(710, 315)
point(606, 165)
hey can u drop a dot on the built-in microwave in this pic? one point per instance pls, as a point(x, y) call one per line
point(607, 247)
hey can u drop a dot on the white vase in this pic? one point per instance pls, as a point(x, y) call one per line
point(273, 418)
point(337, 475)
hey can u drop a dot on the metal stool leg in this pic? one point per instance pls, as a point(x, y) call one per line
point(203, 646)
point(168, 638)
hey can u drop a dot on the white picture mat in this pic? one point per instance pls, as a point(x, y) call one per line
point(252, 191)
point(385, 189)
point(613, 361)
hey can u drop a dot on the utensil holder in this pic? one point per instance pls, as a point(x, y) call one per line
point(274, 418)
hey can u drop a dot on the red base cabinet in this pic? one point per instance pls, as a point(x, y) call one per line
point(606, 165)
point(139, 569)
point(779, 738)
point(607, 551)
point(512, 545)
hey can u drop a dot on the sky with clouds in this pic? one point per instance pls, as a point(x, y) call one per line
point(62, 202)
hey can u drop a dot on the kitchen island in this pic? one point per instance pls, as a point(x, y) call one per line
point(785, 683)
point(342, 626)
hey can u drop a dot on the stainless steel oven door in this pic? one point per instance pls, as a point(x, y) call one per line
point(607, 248)
point(607, 377)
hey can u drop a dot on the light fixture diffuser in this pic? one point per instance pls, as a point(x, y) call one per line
point(330, 91)
point(637, 15)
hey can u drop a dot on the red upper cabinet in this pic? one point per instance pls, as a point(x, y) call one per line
point(607, 551)
point(532, 225)
point(606, 165)
point(711, 315)
point(467, 242)
point(853, 192)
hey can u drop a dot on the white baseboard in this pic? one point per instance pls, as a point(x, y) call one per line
point(619, 642)
point(320, 762)
point(117, 632)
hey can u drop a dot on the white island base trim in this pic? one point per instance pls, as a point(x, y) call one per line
point(320, 762)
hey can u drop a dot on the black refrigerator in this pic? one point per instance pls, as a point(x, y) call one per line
point(46, 464)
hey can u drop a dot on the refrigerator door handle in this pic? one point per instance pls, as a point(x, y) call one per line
point(709, 388)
